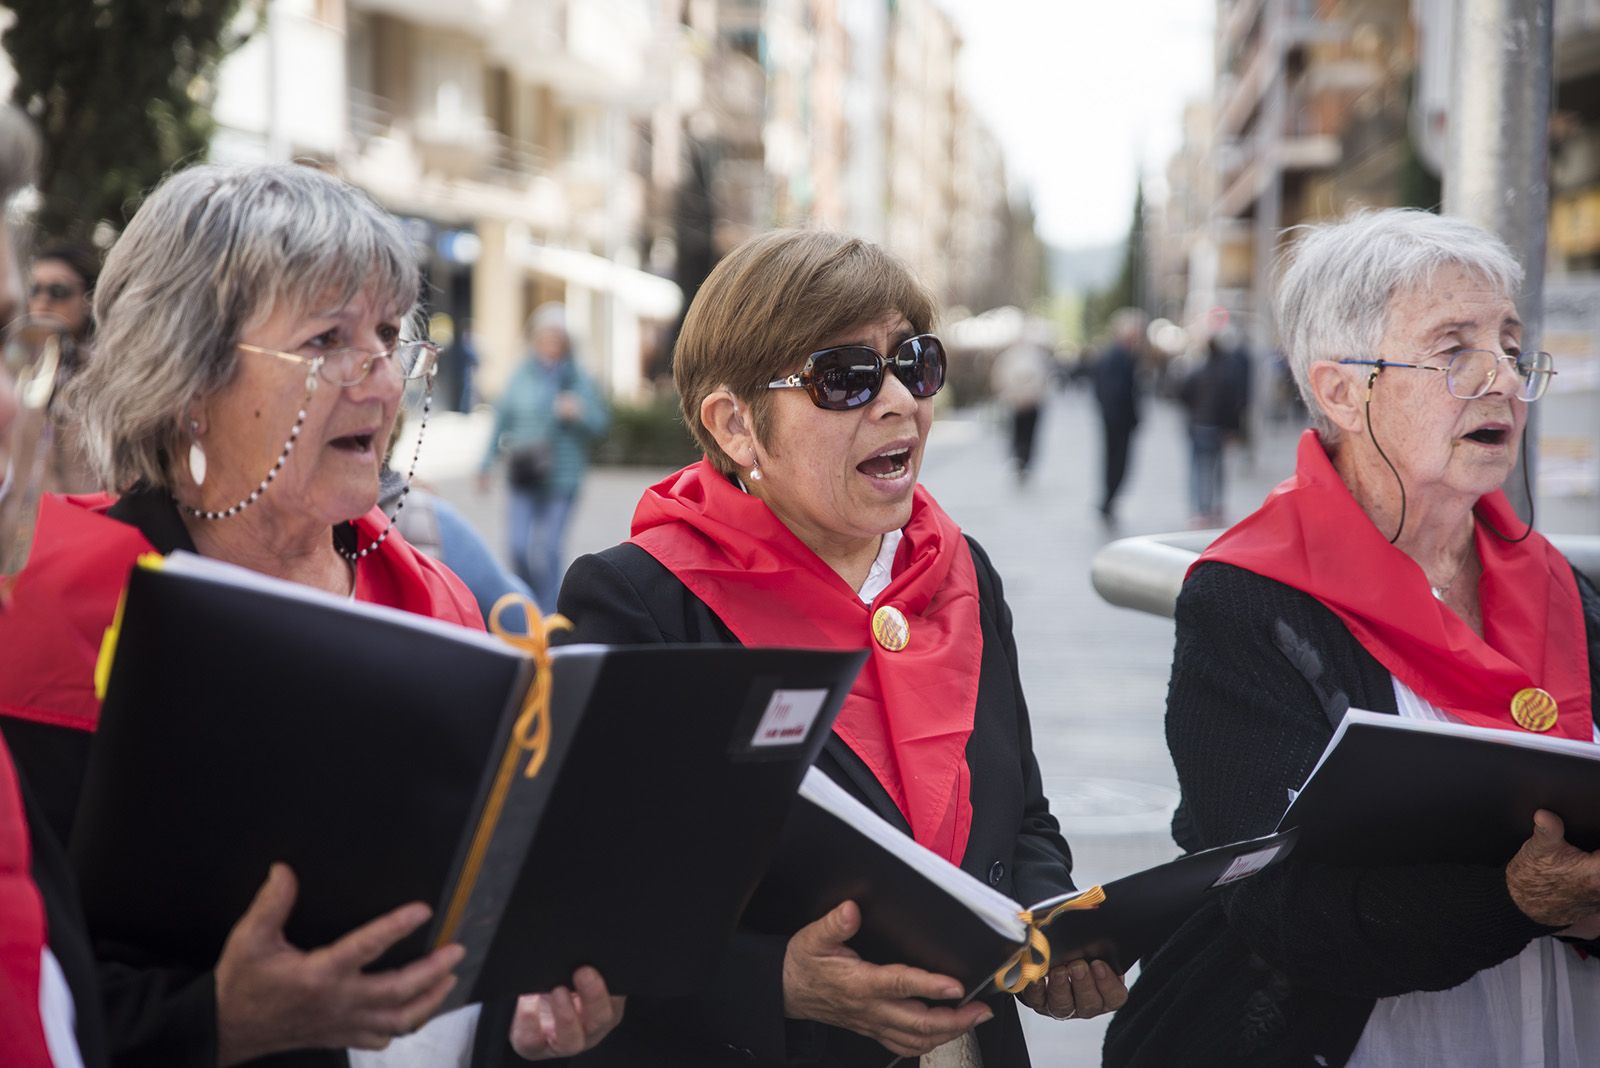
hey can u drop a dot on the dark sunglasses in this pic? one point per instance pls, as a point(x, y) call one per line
point(847, 377)
point(53, 290)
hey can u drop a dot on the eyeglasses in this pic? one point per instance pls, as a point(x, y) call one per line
point(850, 376)
point(349, 367)
point(1471, 372)
point(56, 291)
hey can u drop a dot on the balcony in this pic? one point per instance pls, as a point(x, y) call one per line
point(1237, 20)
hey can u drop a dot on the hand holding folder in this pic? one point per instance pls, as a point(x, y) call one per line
point(248, 721)
point(919, 909)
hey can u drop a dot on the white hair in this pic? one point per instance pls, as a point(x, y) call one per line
point(1338, 280)
point(211, 252)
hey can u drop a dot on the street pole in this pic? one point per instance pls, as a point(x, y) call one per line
point(1497, 157)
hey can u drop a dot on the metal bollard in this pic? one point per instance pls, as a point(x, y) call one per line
point(1145, 573)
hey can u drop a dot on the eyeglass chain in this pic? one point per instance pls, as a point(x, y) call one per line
point(283, 458)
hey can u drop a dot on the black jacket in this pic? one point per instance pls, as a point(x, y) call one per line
point(624, 596)
point(1285, 968)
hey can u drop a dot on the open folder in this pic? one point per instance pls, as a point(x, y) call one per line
point(918, 908)
point(386, 758)
point(1388, 790)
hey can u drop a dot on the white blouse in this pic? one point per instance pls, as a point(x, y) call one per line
point(1539, 1009)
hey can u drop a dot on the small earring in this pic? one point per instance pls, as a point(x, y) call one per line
point(197, 455)
point(755, 473)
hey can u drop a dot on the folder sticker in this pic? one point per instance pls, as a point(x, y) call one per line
point(1247, 864)
point(788, 717)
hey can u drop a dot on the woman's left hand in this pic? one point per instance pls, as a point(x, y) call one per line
point(1076, 991)
point(564, 1023)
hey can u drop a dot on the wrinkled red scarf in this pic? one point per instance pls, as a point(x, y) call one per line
point(909, 714)
point(64, 600)
point(22, 932)
point(1312, 535)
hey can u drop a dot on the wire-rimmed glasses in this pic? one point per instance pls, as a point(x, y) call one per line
point(348, 367)
point(1470, 373)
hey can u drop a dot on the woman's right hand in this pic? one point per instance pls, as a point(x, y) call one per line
point(272, 997)
point(1551, 880)
point(824, 980)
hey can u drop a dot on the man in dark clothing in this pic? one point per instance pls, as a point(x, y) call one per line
point(1215, 395)
point(1116, 388)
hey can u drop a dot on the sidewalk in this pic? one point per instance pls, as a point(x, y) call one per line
point(1095, 675)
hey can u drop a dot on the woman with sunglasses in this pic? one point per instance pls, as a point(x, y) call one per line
point(807, 374)
point(1390, 574)
point(253, 355)
point(60, 291)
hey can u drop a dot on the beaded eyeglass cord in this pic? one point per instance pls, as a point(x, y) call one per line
point(283, 458)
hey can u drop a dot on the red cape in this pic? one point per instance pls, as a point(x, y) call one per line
point(65, 598)
point(1311, 534)
point(910, 713)
point(22, 933)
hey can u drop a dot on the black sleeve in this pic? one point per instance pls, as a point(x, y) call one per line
point(157, 1017)
point(1042, 867)
point(1245, 727)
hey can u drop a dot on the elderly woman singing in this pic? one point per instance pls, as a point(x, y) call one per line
point(1389, 573)
point(253, 352)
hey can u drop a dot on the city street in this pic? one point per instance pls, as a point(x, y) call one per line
point(1095, 675)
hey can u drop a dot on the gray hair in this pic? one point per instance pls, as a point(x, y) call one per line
point(1336, 283)
point(213, 251)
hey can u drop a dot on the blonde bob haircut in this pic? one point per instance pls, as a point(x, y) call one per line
point(773, 301)
point(212, 252)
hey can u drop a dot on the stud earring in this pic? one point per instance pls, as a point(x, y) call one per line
point(197, 455)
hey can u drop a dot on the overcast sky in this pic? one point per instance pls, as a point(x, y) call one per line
point(1082, 93)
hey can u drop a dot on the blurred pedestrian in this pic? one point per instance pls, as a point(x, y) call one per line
point(1215, 395)
point(61, 281)
point(1116, 389)
point(1021, 379)
point(545, 423)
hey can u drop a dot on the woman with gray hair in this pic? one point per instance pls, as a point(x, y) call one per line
point(253, 354)
point(1390, 574)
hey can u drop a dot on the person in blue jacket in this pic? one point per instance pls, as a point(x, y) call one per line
point(546, 422)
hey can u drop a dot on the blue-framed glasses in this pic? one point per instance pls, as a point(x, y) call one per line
point(1470, 373)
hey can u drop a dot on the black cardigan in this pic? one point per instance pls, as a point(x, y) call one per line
point(1285, 968)
point(624, 595)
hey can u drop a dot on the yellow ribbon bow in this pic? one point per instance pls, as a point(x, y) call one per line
point(1032, 961)
point(529, 735)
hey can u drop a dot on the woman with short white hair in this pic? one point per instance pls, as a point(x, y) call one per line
point(254, 344)
point(1390, 574)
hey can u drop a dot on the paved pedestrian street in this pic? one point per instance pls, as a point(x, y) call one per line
point(1095, 675)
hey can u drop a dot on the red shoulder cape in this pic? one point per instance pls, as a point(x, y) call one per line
point(65, 598)
point(1311, 534)
point(22, 933)
point(910, 713)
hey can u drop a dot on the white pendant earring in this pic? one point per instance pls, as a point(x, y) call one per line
point(197, 455)
point(755, 473)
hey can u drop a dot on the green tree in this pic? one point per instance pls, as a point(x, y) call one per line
point(1124, 292)
point(121, 91)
